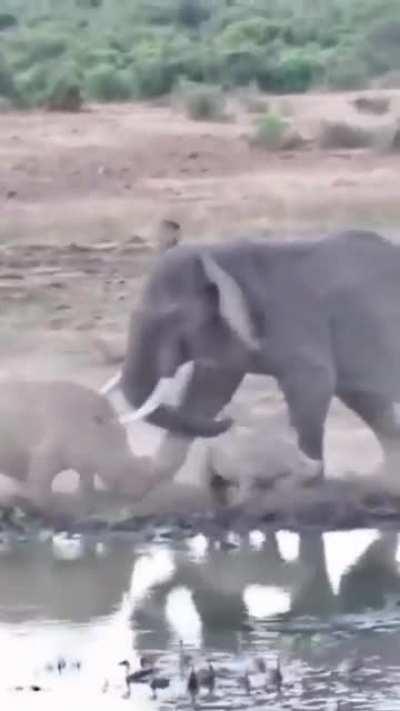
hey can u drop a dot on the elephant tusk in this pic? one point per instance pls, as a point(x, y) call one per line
point(166, 390)
point(111, 384)
point(151, 404)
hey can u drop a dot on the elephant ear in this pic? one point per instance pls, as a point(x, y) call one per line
point(232, 302)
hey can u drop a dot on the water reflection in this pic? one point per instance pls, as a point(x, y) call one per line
point(277, 578)
point(102, 601)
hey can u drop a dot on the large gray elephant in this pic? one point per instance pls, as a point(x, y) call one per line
point(322, 317)
point(47, 427)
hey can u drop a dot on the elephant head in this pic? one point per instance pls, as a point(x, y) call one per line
point(189, 344)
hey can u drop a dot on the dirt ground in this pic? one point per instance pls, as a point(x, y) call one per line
point(82, 197)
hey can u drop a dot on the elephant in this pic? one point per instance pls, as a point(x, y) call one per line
point(321, 316)
point(50, 426)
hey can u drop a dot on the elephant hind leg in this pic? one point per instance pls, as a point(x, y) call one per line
point(382, 415)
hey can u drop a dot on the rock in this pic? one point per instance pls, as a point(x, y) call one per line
point(292, 141)
point(377, 105)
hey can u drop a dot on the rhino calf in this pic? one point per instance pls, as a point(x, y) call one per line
point(47, 427)
point(254, 463)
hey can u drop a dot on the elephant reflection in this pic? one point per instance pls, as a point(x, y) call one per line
point(218, 584)
point(35, 584)
point(373, 577)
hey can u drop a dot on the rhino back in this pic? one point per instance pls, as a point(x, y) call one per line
point(56, 412)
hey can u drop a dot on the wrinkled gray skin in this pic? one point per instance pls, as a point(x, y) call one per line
point(321, 317)
point(48, 427)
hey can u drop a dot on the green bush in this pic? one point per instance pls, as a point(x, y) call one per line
point(192, 13)
point(105, 83)
point(142, 47)
point(7, 20)
point(35, 46)
point(347, 73)
point(7, 82)
point(154, 77)
point(32, 85)
point(381, 47)
point(6, 105)
point(202, 102)
point(270, 131)
point(64, 94)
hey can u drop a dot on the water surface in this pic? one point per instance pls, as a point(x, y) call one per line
point(323, 603)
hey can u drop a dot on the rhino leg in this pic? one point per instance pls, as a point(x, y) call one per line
point(44, 467)
point(86, 484)
point(382, 415)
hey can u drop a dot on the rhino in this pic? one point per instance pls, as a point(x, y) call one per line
point(47, 427)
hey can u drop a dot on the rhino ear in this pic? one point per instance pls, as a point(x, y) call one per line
point(232, 302)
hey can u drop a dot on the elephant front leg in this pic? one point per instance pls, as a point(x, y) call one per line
point(208, 392)
point(308, 394)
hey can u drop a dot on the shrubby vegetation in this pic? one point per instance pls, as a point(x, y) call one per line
point(201, 101)
point(118, 50)
point(270, 131)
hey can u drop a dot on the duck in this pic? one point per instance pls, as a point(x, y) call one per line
point(35, 687)
point(157, 683)
point(61, 664)
point(193, 685)
point(260, 665)
point(276, 675)
point(184, 659)
point(136, 677)
point(206, 677)
point(245, 682)
point(148, 660)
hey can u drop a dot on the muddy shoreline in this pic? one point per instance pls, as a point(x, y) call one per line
point(332, 505)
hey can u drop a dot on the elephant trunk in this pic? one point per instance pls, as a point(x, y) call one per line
point(174, 420)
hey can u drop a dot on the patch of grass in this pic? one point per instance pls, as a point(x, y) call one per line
point(339, 134)
point(270, 131)
point(202, 102)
